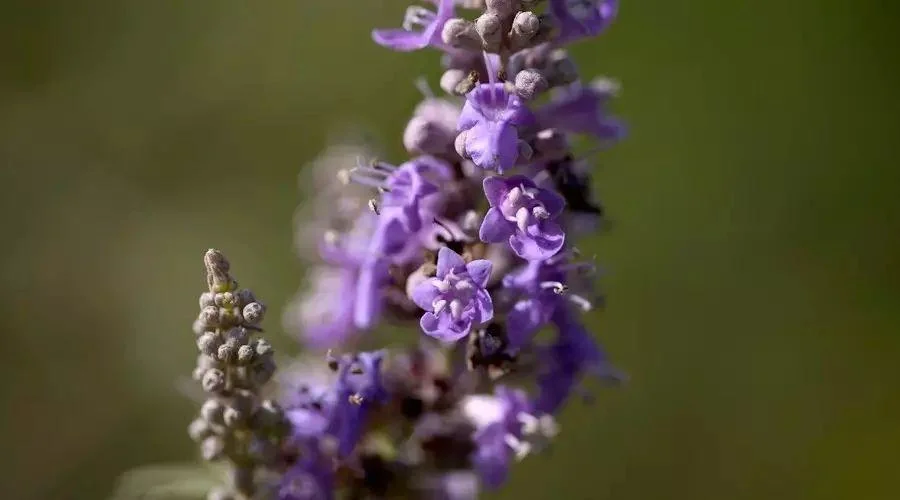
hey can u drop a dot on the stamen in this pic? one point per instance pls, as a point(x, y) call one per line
point(581, 302)
point(417, 15)
point(521, 449)
point(456, 308)
point(331, 237)
point(522, 219)
point(422, 85)
point(557, 287)
point(529, 423)
point(373, 206)
point(439, 305)
point(540, 212)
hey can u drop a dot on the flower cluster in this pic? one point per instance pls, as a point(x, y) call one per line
point(469, 240)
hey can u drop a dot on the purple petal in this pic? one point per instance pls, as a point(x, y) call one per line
point(368, 301)
point(400, 40)
point(443, 328)
point(552, 201)
point(495, 228)
point(425, 293)
point(547, 241)
point(495, 189)
point(484, 307)
point(526, 317)
point(448, 260)
point(493, 146)
point(479, 271)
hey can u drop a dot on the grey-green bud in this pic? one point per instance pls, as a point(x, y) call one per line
point(208, 343)
point(211, 411)
point(213, 380)
point(245, 355)
point(254, 312)
point(212, 448)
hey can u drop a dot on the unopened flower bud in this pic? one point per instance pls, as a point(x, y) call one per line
point(227, 353)
point(233, 417)
point(199, 429)
point(502, 8)
point(489, 28)
point(207, 299)
point(213, 380)
point(208, 343)
point(212, 411)
point(212, 448)
point(264, 348)
point(209, 316)
point(224, 300)
point(245, 355)
point(253, 312)
point(244, 297)
point(461, 34)
point(529, 83)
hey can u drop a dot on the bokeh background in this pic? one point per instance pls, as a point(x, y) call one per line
point(754, 286)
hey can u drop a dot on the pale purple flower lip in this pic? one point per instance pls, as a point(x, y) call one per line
point(421, 28)
point(488, 127)
point(455, 300)
point(579, 19)
point(523, 214)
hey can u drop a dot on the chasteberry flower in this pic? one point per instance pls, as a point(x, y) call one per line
point(455, 300)
point(507, 428)
point(523, 214)
point(582, 109)
point(428, 23)
point(577, 19)
point(488, 133)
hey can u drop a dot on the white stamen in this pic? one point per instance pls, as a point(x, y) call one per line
point(331, 237)
point(373, 206)
point(417, 16)
point(442, 285)
point(438, 305)
point(522, 217)
point(540, 212)
point(529, 423)
point(521, 449)
point(456, 308)
point(463, 285)
point(581, 302)
point(558, 288)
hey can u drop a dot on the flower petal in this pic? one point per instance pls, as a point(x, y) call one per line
point(400, 40)
point(494, 228)
point(552, 201)
point(495, 189)
point(425, 293)
point(539, 244)
point(448, 260)
point(479, 271)
point(484, 307)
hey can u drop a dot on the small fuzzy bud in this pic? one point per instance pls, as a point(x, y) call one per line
point(227, 352)
point(245, 355)
point(209, 316)
point(237, 336)
point(264, 348)
point(208, 343)
point(225, 300)
point(212, 411)
point(524, 28)
point(212, 448)
point(529, 83)
point(244, 297)
point(217, 267)
point(451, 79)
point(207, 299)
point(502, 8)
point(233, 417)
point(199, 429)
point(489, 28)
point(461, 34)
point(253, 312)
point(213, 380)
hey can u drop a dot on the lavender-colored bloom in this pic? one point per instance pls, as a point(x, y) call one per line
point(455, 300)
point(487, 126)
point(574, 353)
point(582, 109)
point(359, 387)
point(539, 286)
point(498, 422)
point(523, 214)
point(430, 23)
point(390, 238)
point(582, 18)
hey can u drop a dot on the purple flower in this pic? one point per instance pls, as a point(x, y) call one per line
point(430, 25)
point(523, 214)
point(390, 239)
point(582, 109)
point(487, 127)
point(539, 286)
point(359, 387)
point(506, 428)
point(455, 300)
point(582, 18)
point(573, 353)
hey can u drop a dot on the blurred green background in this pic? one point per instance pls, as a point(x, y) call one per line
point(754, 293)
